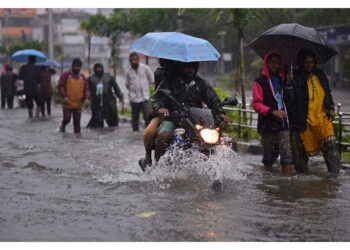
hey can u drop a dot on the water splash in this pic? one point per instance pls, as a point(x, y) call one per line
point(190, 164)
point(183, 166)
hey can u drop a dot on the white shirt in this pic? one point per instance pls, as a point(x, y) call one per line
point(138, 83)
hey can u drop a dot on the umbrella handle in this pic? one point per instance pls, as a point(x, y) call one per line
point(291, 68)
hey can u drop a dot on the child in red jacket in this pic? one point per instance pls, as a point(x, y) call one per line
point(273, 124)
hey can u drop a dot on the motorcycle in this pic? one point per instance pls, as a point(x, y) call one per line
point(199, 128)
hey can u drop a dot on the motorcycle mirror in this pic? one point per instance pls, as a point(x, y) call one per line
point(230, 101)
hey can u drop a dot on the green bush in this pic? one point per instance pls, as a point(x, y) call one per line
point(233, 131)
point(56, 98)
point(152, 90)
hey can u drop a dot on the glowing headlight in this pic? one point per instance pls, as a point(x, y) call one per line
point(210, 136)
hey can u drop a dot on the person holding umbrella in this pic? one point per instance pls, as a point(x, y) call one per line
point(180, 55)
point(30, 74)
point(308, 97)
point(311, 111)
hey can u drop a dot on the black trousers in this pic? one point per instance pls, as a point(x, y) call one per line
point(300, 158)
point(30, 103)
point(7, 100)
point(47, 102)
point(136, 108)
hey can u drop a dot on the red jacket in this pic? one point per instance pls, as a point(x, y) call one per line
point(264, 99)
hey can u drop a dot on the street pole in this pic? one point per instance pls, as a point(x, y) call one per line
point(51, 55)
point(1, 34)
point(5, 38)
point(222, 38)
point(7, 25)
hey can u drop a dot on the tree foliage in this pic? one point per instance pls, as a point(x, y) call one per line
point(323, 17)
point(142, 21)
point(13, 47)
point(92, 26)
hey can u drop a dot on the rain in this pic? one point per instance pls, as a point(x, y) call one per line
point(87, 185)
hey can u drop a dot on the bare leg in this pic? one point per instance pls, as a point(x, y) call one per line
point(162, 142)
point(149, 137)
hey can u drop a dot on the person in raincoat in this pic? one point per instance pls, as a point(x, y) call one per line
point(74, 90)
point(273, 124)
point(103, 91)
point(8, 88)
point(46, 88)
point(311, 111)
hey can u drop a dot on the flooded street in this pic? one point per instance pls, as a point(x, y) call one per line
point(63, 187)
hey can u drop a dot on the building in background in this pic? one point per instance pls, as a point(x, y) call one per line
point(21, 25)
point(16, 25)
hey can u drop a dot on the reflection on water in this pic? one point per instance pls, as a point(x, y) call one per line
point(63, 187)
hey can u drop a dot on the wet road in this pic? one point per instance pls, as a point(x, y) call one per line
point(60, 187)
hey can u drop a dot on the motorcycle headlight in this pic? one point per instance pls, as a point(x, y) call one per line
point(210, 136)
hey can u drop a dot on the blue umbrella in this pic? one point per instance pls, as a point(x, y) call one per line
point(175, 46)
point(49, 63)
point(22, 55)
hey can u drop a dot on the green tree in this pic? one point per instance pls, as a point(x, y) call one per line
point(142, 21)
point(239, 19)
point(110, 27)
point(115, 24)
point(12, 47)
point(321, 17)
point(92, 26)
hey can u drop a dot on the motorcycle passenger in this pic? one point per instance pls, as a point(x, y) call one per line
point(150, 133)
point(187, 88)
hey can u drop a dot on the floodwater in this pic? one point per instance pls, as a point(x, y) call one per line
point(62, 187)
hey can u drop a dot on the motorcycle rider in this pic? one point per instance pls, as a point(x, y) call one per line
point(187, 88)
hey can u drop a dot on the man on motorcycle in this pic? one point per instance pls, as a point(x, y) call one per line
point(187, 88)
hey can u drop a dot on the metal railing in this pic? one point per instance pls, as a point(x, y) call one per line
point(343, 128)
point(251, 117)
point(342, 120)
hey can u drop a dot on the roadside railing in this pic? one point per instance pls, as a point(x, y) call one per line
point(251, 119)
point(341, 123)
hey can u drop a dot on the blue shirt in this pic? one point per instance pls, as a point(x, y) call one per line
point(277, 88)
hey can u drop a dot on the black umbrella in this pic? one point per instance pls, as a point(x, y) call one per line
point(288, 39)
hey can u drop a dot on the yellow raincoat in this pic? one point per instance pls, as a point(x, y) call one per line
point(319, 128)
